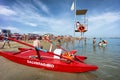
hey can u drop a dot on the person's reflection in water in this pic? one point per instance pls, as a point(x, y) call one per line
point(85, 41)
point(103, 49)
point(73, 43)
point(94, 49)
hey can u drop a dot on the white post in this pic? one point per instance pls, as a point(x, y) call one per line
point(51, 45)
point(74, 16)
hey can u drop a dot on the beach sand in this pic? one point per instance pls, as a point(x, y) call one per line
point(13, 71)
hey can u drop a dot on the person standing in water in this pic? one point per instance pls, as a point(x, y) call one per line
point(94, 41)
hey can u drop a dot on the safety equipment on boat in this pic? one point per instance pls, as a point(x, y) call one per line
point(67, 55)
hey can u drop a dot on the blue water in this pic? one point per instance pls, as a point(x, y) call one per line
point(106, 58)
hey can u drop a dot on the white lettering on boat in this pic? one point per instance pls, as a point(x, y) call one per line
point(40, 63)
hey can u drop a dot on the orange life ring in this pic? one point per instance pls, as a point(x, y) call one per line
point(81, 28)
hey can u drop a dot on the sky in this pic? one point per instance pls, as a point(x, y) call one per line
point(56, 17)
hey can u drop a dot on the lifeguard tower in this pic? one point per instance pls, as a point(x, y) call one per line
point(80, 23)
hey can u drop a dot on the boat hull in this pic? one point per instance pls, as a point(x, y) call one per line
point(47, 62)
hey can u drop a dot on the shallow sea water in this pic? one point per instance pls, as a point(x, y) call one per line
point(106, 58)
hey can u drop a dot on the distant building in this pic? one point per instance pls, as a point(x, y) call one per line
point(5, 31)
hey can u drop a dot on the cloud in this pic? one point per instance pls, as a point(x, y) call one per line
point(5, 10)
point(105, 19)
point(104, 24)
point(42, 6)
point(28, 15)
point(34, 19)
point(31, 24)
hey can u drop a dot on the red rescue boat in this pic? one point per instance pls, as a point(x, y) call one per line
point(45, 60)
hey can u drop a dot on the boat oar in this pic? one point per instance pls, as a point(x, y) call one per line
point(37, 51)
point(24, 44)
point(63, 57)
point(56, 45)
point(73, 51)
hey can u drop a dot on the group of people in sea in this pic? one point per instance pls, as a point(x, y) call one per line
point(101, 43)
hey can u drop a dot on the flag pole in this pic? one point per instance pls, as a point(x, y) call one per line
point(74, 16)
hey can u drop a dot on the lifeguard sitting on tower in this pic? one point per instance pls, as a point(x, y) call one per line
point(80, 27)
